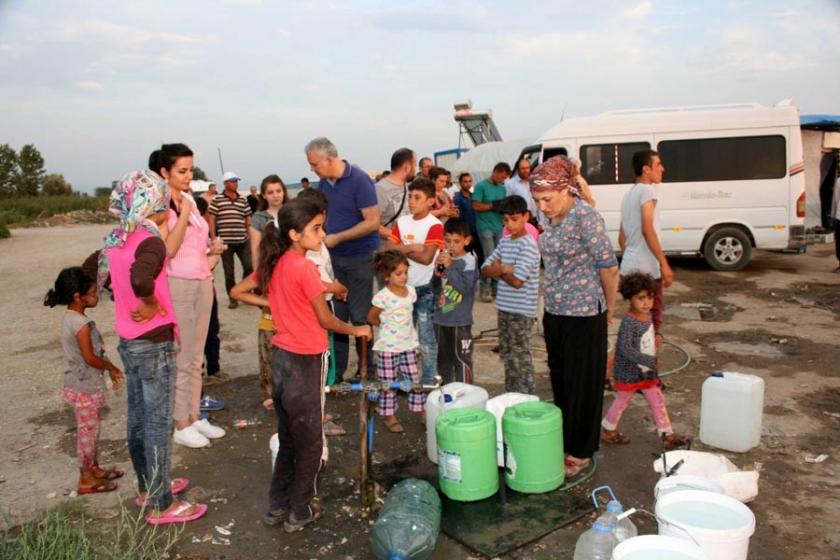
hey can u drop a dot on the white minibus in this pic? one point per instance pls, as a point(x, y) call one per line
point(733, 178)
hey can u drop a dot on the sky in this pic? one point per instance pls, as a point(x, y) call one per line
point(97, 85)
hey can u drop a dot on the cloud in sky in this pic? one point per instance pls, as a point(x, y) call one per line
point(101, 29)
point(639, 10)
point(90, 85)
point(10, 51)
point(97, 85)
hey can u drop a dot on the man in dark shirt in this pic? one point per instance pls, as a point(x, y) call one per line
point(463, 200)
point(254, 199)
point(352, 235)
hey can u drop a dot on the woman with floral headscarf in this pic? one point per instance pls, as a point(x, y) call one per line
point(134, 257)
point(581, 279)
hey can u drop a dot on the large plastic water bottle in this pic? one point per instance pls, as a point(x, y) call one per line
point(598, 542)
point(624, 528)
point(408, 523)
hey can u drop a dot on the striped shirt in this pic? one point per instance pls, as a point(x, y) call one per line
point(230, 218)
point(524, 255)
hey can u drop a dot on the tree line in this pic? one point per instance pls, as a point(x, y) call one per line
point(23, 174)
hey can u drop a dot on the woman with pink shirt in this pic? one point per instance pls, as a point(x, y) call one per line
point(187, 239)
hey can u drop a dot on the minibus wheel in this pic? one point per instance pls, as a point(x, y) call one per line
point(727, 249)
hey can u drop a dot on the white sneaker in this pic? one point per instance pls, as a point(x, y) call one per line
point(190, 437)
point(208, 430)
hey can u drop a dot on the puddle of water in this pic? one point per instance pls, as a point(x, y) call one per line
point(684, 313)
point(699, 311)
point(743, 349)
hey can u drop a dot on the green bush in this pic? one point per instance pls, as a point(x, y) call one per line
point(26, 209)
point(4, 231)
point(67, 533)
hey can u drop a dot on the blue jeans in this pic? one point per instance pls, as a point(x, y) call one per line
point(356, 273)
point(489, 240)
point(424, 310)
point(150, 376)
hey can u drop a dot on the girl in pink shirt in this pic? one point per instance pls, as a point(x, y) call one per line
point(295, 295)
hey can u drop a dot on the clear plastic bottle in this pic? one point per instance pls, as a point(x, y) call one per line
point(624, 528)
point(408, 523)
point(598, 542)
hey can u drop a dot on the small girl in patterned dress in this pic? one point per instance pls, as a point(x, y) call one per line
point(84, 362)
point(397, 343)
point(636, 365)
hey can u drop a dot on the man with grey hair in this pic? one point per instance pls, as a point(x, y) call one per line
point(352, 235)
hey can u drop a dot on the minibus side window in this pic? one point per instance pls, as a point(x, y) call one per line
point(724, 159)
point(549, 153)
point(532, 154)
point(609, 164)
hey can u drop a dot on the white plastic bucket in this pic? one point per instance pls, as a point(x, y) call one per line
point(274, 446)
point(462, 395)
point(681, 482)
point(721, 525)
point(657, 547)
point(497, 406)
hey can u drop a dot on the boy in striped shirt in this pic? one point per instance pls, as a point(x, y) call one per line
point(516, 263)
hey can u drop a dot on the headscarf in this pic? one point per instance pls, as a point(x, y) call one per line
point(135, 197)
point(555, 174)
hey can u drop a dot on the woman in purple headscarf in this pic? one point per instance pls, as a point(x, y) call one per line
point(581, 279)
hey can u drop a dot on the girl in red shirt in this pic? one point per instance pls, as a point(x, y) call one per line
point(301, 316)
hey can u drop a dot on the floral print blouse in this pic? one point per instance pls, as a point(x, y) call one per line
point(573, 251)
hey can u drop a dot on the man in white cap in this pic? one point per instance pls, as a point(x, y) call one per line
point(229, 218)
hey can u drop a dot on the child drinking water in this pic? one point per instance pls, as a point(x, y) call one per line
point(454, 281)
point(397, 344)
point(635, 364)
point(294, 292)
point(84, 362)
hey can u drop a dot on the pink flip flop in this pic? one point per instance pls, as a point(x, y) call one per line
point(176, 485)
point(175, 516)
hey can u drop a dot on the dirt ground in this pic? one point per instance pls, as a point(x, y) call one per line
point(777, 319)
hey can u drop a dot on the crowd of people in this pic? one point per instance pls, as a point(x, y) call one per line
point(400, 254)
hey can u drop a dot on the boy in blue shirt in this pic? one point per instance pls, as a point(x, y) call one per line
point(454, 282)
point(516, 263)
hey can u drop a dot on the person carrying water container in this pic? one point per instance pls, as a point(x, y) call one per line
point(636, 365)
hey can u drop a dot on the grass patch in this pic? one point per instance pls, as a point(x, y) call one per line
point(68, 533)
point(17, 211)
